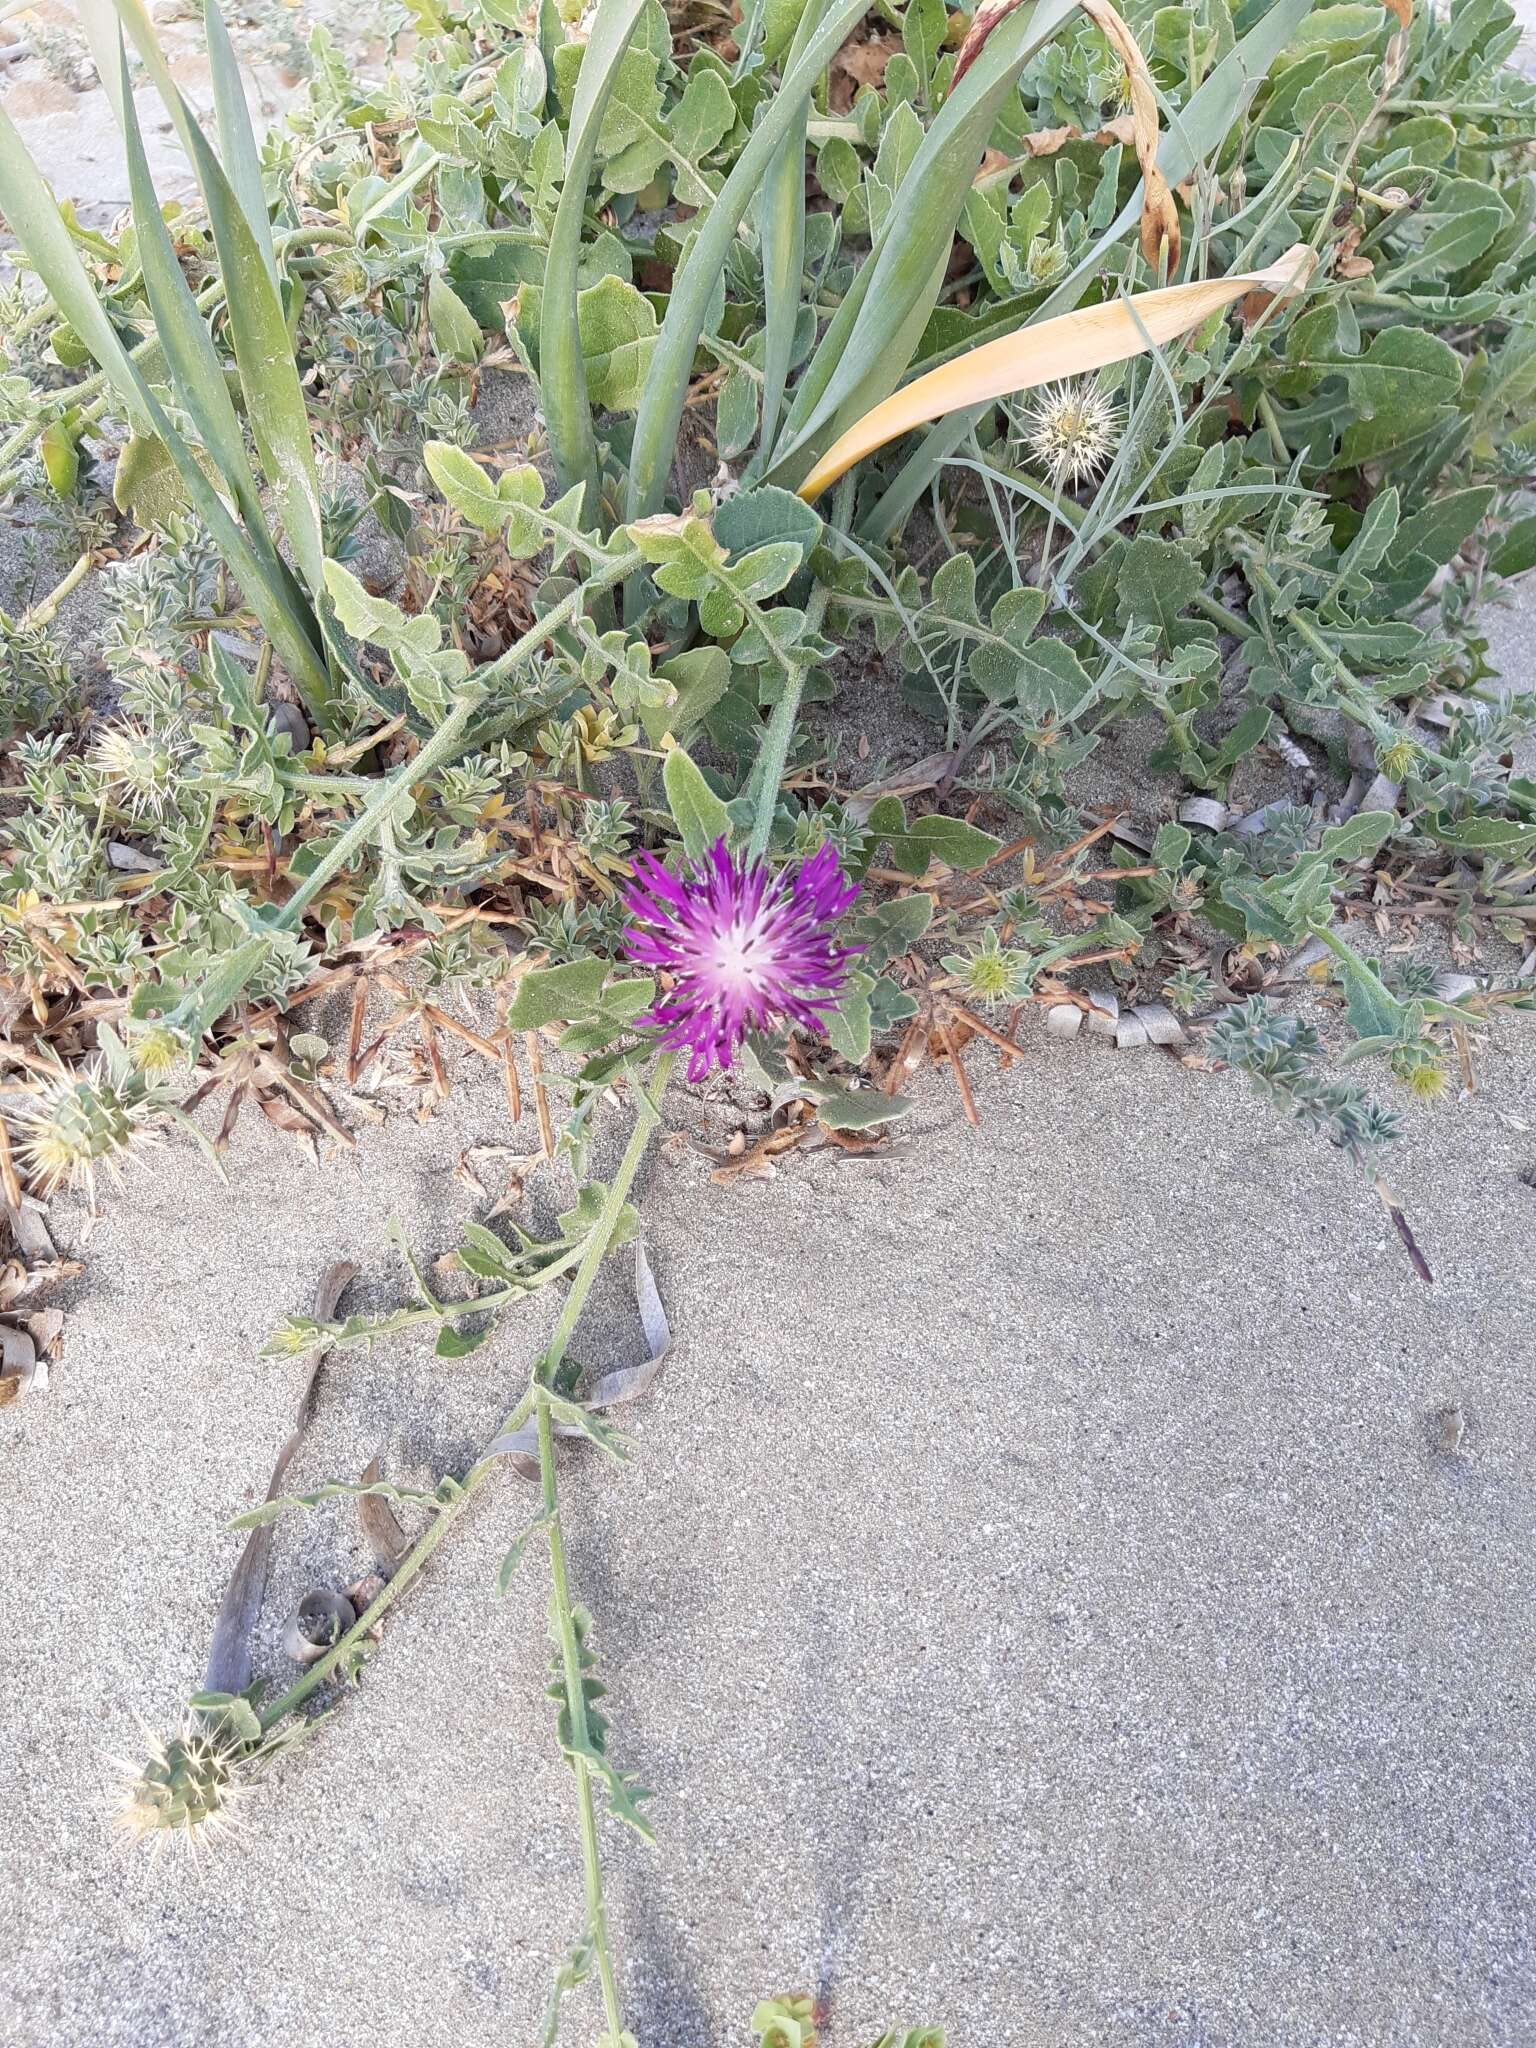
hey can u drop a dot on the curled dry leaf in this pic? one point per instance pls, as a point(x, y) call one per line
point(1047, 141)
point(20, 1285)
point(29, 1232)
point(381, 1531)
point(861, 61)
point(1159, 215)
point(610, 1389)
point(316, 1625)
point(21, 1370)
point(1206, 812)
point(933, 771)
point(28, 1343)
point(1132, 1028)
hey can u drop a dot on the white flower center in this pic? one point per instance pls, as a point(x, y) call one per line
point(736, 956)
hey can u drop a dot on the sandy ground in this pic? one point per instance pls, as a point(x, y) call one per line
point(1041, 1599)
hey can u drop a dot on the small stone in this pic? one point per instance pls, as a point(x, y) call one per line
point(1452, 1423)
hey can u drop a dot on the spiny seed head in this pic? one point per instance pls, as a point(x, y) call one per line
point(1399, 759)
point(81, 1119)
point(156, 1051)
point(189, 1789)
point(1424, 1077)
point(994, 973)
point(141, 769)
point(347, 275)
point(1072, 431)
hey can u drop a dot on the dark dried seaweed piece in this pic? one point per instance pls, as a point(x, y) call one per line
point(229, 1657)
point(385, 1538)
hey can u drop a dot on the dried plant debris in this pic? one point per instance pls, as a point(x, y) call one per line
point(30, 1336)
point(382, 1533)
point(229, 1656)
point(616, 1389)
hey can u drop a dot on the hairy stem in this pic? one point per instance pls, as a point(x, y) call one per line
point(779, 733)
point(409, 1566)
point(447, 743)
point(646, 1119)
point(40, 613)
point(598, 1240)
point(570, 1663)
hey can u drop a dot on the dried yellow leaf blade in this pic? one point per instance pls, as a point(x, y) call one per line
point(1073, 345)
point(1159, 215)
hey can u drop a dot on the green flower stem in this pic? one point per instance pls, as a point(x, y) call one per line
point(575, 1699)
point(40, 613)
point(779, 733)
point(647, 1117)
point(593, 1254)
point(447, 743)
point(1468, 109)
point(1345, 953)
point(1271, 420)
point(478, 1304)
point(1224, 616)
point(444, 745)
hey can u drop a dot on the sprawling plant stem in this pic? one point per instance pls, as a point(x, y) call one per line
point(536, 1400)
point(451, 739)
point(648, 1115)
point(410, 1565)
point(779, 733)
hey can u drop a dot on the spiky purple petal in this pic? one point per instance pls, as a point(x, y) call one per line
point(747, 950)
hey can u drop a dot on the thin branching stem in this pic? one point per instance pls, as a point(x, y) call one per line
point(648, 1115)
point(595, 1249)
point(778, 735)
point(447, 743)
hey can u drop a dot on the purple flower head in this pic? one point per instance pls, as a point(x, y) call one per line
point(746, 949)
